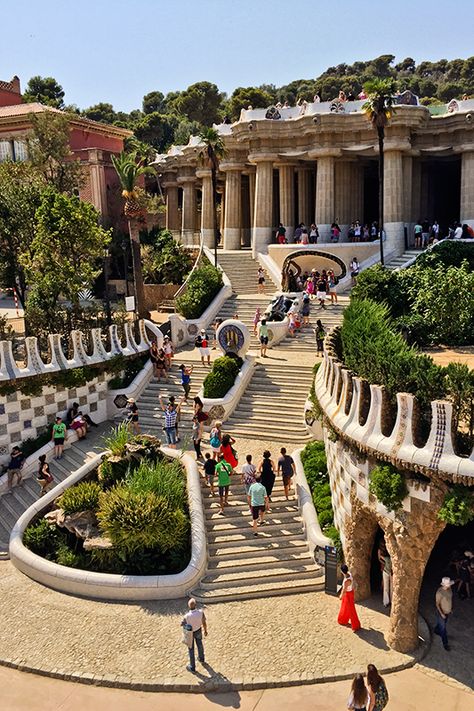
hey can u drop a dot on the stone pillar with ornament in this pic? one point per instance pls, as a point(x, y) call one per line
point(233, 205)
point(189, 208)
point(287, 197)
point(393, 198)
point(246, 214)
point(207, 208)
point(263, 210)
point(467, 186)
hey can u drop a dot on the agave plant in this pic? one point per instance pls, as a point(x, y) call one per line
point(129, 169)
point(378, 109)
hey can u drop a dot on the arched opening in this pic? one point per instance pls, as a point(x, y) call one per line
point(375, 563)
point(446, 559)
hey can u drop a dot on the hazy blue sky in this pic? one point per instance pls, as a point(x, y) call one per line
point(118, 50)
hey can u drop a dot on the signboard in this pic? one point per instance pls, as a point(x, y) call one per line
point(330, 570)
point(130, 303)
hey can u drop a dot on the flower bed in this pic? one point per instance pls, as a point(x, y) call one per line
point(129, 517)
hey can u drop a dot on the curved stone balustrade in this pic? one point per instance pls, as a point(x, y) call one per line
point(34, 364)
point(342, 399)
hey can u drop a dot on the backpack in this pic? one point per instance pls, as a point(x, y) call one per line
point(198, 342)
point(215, 441)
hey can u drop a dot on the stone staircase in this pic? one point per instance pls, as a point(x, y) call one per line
point(14, 503)
point(272, 406)
point(241, 268)
point(304, 339)
point(398, 262)
point(241, 565)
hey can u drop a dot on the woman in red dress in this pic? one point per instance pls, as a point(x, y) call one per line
point(228, 451)
point(348, 613)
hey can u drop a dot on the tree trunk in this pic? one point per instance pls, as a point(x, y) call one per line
point(381, 176)
point(137, 270)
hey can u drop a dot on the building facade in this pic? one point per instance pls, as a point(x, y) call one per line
point(91, 142)
point(318, 163)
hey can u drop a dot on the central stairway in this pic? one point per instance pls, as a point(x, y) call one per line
point(399, 262)
point(241, 565)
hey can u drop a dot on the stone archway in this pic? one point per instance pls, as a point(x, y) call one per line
point(360, 532)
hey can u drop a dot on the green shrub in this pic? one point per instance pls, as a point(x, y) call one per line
point(326, 518)
point(32, 444)
point(43, 538)
point(132, 366)
point(313, 458)
point(332, 533)
point(81, 497)
point(388, 485)
point(118, 439)
point(222, 377)
point(141, 520)
point(165, 479)
point(112, 470)
point(203, 285)
point(66, 556)
point(458, 506)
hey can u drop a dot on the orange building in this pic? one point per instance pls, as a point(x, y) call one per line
point(91, 142)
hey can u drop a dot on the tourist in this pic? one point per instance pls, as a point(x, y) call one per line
point(354, 270)
point(58, 437)
point(444, 607)
point(464, 579)
point(357, 231)
point(374, 231)
point(342, 96)
point(186, 372)
point(153, 352)
point(261, 280)
point(292, 324)
point(317, 98)
point(196, 435)
point(215, 326)
point(457, 230)
point(332, 283)
point(228, 452)
point(256, 320)
point(425, 233)
point(44, 478)
point(321, 292)
point(79, 425)
point(215, 439)
point(132, 418)
point(209, 471)
point(266, 470)
point(359, 697)
point(386, 567)
point(309, 287)
point(171, 412)
point(304, 238)
point(195, 621)
point(258, 501)
point(286, 466)
point(281, 234)
point(435, 231)
point(313, 234)
point(15, 465)
point(202, 416)
point(377, 689)
point(160, 365)
point(223, 471)
point(202, 344)
point(320, 335)
point(306, 310)
point(297, 233)
point(335, 232)
point(347, 612)
point(366, 233)
point(73, 412)
point(467, 231)
point(417, 232)
point(249, 473)
point(168, 349)
point(172, 402)
point(263, 336)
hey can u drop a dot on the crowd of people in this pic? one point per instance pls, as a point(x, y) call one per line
point(426, 233)
point(357, 231)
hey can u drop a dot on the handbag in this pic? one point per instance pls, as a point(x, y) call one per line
point(188, 636)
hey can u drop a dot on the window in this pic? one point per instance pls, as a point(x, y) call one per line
point(6, 152)
point(20, 150)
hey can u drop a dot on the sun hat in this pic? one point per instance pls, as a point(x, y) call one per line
point(131, 399)
point(469, 554)
point(446, 582)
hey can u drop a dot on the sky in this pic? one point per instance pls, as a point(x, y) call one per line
point(118, 50)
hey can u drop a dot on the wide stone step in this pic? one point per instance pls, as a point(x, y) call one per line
point(238, 537)
point(274, 524)
point(259, 574)
point(268, 589)
point(285, 436)
point(231, 550)
point(241, 511)
point(259, 559)
point(256, 423)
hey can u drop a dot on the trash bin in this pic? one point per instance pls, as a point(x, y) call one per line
point(330, 570)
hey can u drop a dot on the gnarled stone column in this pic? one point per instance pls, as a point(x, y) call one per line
point(233, 205)
point(207, 208)
point(359, 531)
point(189, 208)
point(287, 198)
point(263, 211)
point(467, 186)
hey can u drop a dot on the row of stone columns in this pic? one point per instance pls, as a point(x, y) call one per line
point(247, 214)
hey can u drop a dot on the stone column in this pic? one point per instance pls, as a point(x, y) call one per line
point(324, 204)
point(189, 209)
point(304, 213)
point(233, 205)
point(393, 196)
point(263, 210)
point(407, 190)
point(416, 195)
point(172, 212)
point(467, 187)
point(207, 208)
point(344, 191)
point(287, 198)
point(246, 219)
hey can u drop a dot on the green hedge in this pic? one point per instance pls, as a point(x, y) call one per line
point(388, 485)
point(222, 376)
point(458, 506)
point(203, 285)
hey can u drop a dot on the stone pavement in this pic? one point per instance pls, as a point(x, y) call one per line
point(292, 638)
point(409, 690)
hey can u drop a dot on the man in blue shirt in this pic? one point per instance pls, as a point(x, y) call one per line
point(258, 502)
point(17, 459)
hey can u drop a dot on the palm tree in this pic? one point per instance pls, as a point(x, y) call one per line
point(212, 151)
point(129, 169)
point(378, 109)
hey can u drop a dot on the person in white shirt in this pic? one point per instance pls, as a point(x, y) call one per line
point(195, 621)
point(458, 231)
